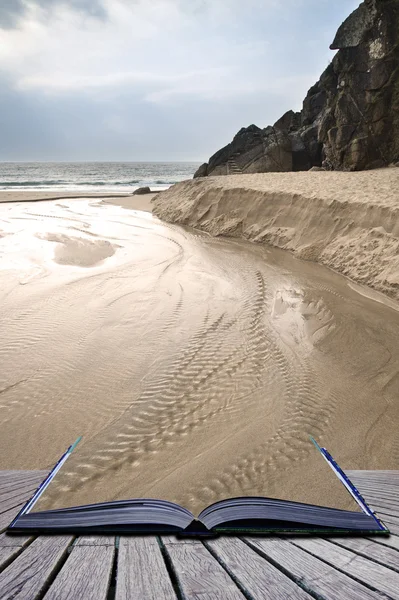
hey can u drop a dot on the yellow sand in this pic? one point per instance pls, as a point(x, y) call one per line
point(194, 367)
point(347, 221)
point(135, 202)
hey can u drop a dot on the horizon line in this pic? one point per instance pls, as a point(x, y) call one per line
point(100, 161)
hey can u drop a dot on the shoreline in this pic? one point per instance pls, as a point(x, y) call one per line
point(130, 201)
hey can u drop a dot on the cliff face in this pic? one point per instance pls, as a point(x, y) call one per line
point(350, 117)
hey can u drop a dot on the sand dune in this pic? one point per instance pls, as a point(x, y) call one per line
point(195, 367)
point(347, 221)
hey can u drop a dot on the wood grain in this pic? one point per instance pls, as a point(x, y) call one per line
point(27, 576)
point(10, 547)
point(86, 574)
point(6, 491)
point(256, 576)
point(380, 578)
point(369, 549)
point(312, 574)
point(142, 573)
point(95, 540)
point(392, 541)
point(200, 575)
point(9, 515)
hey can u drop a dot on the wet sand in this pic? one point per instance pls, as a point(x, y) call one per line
point(135, 202)
point(194, 367)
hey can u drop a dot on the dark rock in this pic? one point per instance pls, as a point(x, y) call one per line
point(202, 171)
point(352, 31)
point(290, 121)
point(141, 191)
point(350, 117)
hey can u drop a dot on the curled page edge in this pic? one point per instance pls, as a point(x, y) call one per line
point(352, 489)
point(45, 483)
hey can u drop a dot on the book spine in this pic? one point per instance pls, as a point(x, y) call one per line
point(44, 484)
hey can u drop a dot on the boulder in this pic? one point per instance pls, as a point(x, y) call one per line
point(141, 191)
point(349, 118)
point(202, 171)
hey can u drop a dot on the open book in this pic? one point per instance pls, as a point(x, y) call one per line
point(248, 514)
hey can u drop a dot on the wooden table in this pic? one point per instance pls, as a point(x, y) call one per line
point(157, 568)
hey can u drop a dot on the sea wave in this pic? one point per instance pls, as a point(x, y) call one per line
point(60, 182)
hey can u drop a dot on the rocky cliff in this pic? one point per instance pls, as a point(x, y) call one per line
point(350, 117)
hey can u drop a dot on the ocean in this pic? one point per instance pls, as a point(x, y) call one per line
point(92, 176)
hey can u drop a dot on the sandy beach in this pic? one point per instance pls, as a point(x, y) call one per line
point(346, 221)
point(194, 366)
point(134, 202)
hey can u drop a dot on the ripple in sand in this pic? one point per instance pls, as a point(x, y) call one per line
point(194, 367)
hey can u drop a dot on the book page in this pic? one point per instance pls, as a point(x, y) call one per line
point(210, 374)
point(311, 481)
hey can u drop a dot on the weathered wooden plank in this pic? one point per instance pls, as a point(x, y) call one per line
point(256, 576)
point(372, 487)
point(199, 574)
point(95, 540)
point(383, 492)
point(26, 577)
point(380, 578)
point(381, 554)
point(13, 541)
point(374, 495)
point(86, 574)
point(21, 492)
point(369, 474)
point(22, 474)
point(390, 480)
point(387, 482)
point(393, 528)
point(6, 505)
point(33, 477)
point(9, 515)
point(309, 572)
point(392, 541)
point(141, 570)
point(22, 488)
point(389, 518)
point(18, 486)
point(376, 476)
point(380, 504)
point(10, 547)
point(7, 555)
point(174, 539)
point(386, 494)
point(385, 511)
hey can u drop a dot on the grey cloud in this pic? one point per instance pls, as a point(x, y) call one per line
point(11, 11)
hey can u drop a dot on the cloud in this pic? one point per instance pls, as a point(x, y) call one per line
point(12, 11)
point(155, 46)
point(97, 74)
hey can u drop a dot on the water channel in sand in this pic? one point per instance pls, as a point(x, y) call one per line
point(194, 367)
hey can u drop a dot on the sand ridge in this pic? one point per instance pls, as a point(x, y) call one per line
point(346, 221)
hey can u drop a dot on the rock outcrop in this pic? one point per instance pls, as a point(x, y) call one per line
point(141, 191)
point(350, 117)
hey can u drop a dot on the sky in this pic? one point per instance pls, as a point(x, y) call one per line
point(153, 80)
